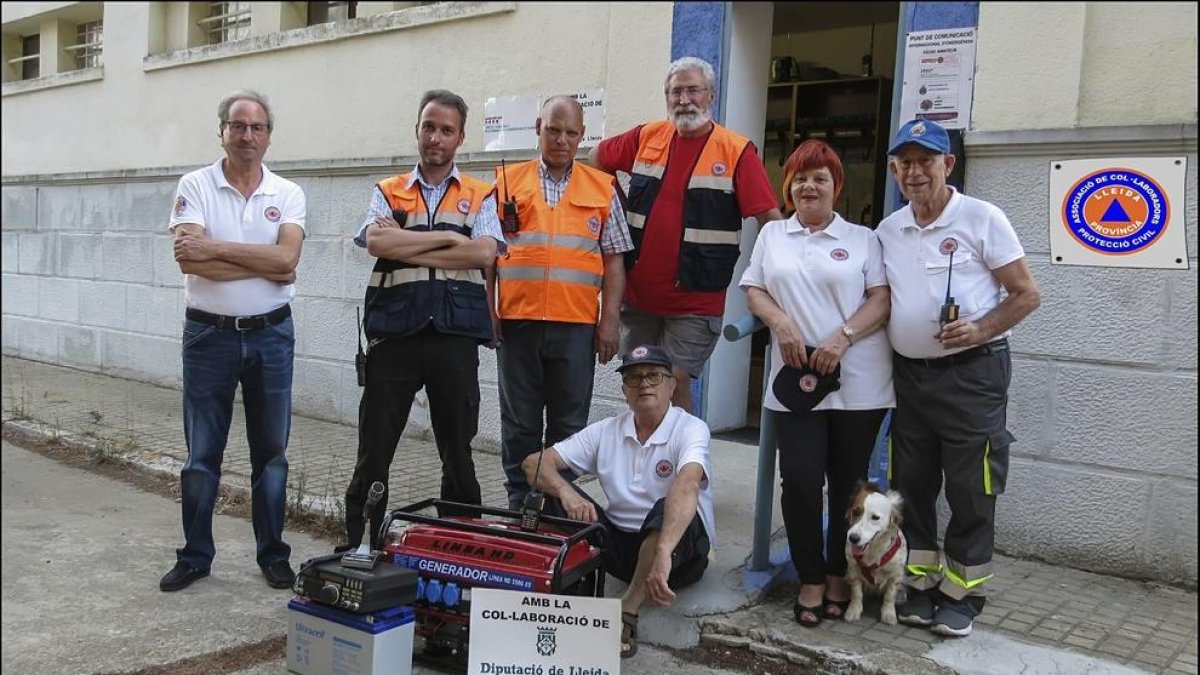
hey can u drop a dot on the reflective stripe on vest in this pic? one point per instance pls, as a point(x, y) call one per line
point(554, 268)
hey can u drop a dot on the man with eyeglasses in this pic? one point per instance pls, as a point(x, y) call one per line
point(558, 291)
point(653, 465)
point(692, 182)
point(238, 233)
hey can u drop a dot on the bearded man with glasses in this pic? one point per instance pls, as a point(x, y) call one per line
point(691, 183)
point(653, 464)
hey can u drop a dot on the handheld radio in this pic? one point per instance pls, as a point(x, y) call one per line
point(360, 357)
point(509, 220)
point(531, 512)
point(949, 308)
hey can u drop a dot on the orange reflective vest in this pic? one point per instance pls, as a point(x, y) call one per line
point(402, 298)
point(712, 221)
point(554, 269)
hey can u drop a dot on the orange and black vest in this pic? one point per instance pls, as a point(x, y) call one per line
point(554, 268)
point(712, 221)
point(402, 299)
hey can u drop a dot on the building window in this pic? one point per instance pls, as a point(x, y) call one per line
point(226, 22)
point(326, 12)
point(30, 57)
point(89, 44)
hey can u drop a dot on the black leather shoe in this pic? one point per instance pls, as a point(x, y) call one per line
point(180, 577)
point(279, 574)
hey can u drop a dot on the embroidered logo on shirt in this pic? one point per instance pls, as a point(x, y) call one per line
point(718, 168)
point(664, 469)
point(839, 254)
point(808, 383)
point(272, 214)
point(949, 245)
point(594, 224)
point(464, 205)
point(180, 205)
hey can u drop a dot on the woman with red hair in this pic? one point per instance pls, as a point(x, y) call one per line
point(817, 281)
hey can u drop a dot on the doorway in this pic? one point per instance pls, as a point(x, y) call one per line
point(831, 74)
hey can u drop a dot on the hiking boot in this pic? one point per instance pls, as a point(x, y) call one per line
point(917, 610)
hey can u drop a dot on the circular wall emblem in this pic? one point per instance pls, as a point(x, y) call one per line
point(718, 168)
point(839, 254)
point(808, 383)
point(272, 214)
point(464, 205)
point(664, 469)
point(180, 205)
point(1116, 211)
point(949, 245)
point(594, 224)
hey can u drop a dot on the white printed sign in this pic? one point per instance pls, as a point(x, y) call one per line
point(515, 632)
point(1119, 212)
point(939, 76)
point(508, 123)
point(592, 101)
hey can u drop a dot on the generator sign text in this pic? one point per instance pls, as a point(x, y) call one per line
point(1116, 211)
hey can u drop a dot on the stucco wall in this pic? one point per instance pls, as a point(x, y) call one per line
point(1059, 65)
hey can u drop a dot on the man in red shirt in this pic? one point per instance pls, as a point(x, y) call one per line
point(692, 182)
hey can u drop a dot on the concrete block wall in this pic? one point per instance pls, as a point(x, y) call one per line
point(89, 281)
point(1103, 399)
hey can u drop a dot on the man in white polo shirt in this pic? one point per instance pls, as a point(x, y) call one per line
point(652, 463)
point(238, 233)
point(948, 257)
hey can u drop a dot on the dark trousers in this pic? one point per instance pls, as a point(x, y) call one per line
point(950, 421)
point(813, 446)
point(447, 366)
point(545, 368)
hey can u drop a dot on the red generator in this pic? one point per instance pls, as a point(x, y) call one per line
point(486, 548)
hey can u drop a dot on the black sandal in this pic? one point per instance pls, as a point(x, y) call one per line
point(629, 624)
point(840, 605)
point(800, 611)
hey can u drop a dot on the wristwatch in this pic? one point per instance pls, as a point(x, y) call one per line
point(848, 332)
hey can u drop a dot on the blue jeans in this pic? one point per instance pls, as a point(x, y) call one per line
point(544, 367)
point(214, 363)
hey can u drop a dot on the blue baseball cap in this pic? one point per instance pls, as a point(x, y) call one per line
point(926, 133)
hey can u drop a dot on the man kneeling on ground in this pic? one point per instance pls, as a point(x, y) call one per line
point(652, 463)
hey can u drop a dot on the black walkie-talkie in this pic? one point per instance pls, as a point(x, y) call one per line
point(360, 357)
point(949, 309)
point(509, 220)
point(531, 511)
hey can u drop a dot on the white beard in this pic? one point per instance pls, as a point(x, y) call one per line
point(690, 120)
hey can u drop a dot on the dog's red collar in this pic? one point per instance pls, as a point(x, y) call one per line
point(887, 556)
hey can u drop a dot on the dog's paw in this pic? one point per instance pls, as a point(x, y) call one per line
point(888, 615)
point(853, 612)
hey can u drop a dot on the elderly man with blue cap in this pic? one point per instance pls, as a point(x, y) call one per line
point(652, 462)
point(959, 284)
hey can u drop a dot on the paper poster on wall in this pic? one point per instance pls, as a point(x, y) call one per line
point(1119, 212)
point(939, 76)
point(516, 632)
point(592, 101)
point(508, 122)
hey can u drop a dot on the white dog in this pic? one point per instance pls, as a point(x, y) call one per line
point(875, 549)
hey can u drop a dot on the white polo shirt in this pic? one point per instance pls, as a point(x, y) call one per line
point(917, 267)
point(206, 198)
point(635, 476)
point(820, 279)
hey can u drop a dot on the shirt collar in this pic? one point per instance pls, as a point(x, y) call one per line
point(416, 175)
point(910, 219)
point(266, 186)
point(835, 229)
point(661, 435)
point(544, 171)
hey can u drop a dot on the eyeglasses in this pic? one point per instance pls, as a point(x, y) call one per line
point(692, 92)
point(239, 128)
point(653, 378)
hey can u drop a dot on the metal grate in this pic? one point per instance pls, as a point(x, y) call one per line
point(226, 22)
point(89, 44)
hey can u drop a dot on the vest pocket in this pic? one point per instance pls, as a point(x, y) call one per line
point(706, 267)
point(389, 313)
point(467, 310)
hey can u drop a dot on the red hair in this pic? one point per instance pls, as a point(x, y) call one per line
point(809, 155)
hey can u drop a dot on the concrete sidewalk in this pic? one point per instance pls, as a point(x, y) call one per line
point(1043, 618)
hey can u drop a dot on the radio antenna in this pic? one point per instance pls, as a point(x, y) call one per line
point(949, 273)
